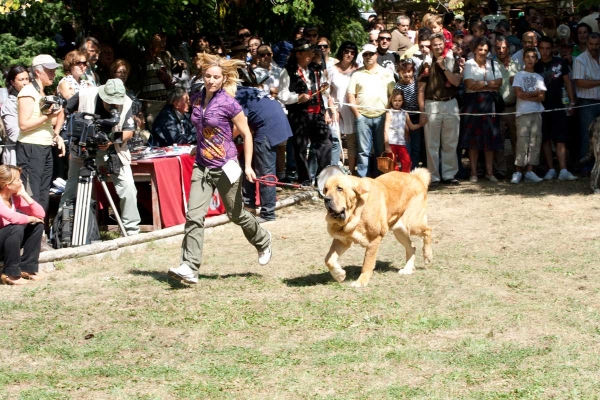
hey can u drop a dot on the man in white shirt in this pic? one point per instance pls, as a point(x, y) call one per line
point(586, 74)
point(529, 41)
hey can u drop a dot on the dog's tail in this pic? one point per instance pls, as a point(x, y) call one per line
point(423, 175)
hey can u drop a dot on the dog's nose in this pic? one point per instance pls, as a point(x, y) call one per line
point(327, 199)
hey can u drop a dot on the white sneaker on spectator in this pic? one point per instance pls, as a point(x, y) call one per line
point(566, 176)
point(516, 177)
point(530, 176)
point(551, 174)
point(183, 273)
point(264, 256)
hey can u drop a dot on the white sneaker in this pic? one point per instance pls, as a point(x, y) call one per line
point(183, 273)
point(530, 176)
point(516, 177)
point(551, 174)
point(264, 256)
point(566, 176)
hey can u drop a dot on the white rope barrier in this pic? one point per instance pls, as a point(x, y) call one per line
point(473, 114)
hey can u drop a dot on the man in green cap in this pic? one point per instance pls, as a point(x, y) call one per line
point(101, 101)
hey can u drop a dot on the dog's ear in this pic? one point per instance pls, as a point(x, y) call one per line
point(361, 186)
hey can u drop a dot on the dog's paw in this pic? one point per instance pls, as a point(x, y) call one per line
point(338, 274)
point(359, 284)
point(406, 271)
point(428, 258)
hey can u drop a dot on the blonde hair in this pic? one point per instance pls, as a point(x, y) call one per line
point(8, 173)
point(229, 69)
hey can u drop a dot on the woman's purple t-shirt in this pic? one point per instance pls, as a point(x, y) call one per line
point(214, 128)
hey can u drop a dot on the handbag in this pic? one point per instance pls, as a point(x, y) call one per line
point(498, 99)
point(386, 164)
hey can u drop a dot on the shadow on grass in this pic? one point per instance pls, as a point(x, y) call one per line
point(175, 284)
point(325, 278)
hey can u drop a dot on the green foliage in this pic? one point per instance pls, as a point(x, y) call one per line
point(14, 50)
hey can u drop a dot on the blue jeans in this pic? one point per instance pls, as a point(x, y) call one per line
point(336, 148)
point(369, 136)
point(264, 163)
point(586, 116)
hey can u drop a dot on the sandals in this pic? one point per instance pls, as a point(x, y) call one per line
point(13, 280)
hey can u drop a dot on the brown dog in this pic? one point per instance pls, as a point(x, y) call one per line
point(363, 210)
point(594, 153)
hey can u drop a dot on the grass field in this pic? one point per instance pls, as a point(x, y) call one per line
point(509, 309)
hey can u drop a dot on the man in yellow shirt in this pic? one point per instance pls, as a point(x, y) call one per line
point(369, 90)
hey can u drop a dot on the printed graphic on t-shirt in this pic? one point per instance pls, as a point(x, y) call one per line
point(530, 83)
point(214, 141)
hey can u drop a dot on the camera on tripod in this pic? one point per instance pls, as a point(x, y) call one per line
point(51, 104)
point(87, 131)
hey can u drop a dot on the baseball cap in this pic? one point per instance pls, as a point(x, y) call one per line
point(45, 60)
point(369, 48)
point(459, 16)
point(311, 28)
point(112, 92)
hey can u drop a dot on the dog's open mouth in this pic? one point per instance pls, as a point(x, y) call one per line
point(337, 215)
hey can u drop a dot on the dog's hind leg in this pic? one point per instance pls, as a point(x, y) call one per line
point(424, 231)
point(402, 236)
point(368, 263)
point(331, 259)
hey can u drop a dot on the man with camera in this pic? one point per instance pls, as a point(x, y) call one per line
point(107, 103)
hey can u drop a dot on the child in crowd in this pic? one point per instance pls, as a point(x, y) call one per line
point(530, 91)
point(396, 131)
point(409, 86)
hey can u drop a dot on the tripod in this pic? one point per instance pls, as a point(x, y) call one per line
point(87, 173)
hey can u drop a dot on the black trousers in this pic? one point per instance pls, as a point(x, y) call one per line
point(310, 128)
point(37, 164)
point(13, 238)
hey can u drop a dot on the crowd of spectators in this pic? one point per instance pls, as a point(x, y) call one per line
point(435, 90)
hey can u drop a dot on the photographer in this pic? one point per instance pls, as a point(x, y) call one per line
point(40, 127)
point(101, 101)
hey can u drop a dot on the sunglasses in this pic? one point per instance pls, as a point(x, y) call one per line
point(244, 35)
point(265, 54)
point(352, 52)
point(81, 63)
point(386, 38)
point(368, 54)
point(322, 46)
point(407, 61)
point(311, 34)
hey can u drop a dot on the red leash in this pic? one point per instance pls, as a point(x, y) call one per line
point(271, 180)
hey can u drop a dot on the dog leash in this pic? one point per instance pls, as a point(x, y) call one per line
point(271, 180)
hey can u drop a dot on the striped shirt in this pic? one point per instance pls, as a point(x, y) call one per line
point(411, 95)
point(585, 67)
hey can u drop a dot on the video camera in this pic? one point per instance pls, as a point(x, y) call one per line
point(87, 131)
point(51, 104)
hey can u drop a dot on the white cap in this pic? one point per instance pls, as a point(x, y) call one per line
point(45, 60)
point(369, 48)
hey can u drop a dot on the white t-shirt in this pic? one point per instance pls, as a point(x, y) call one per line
point(529, 82)
point(397, 131)
point(473, 71)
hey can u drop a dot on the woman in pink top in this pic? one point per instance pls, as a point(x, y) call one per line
point(21, 227)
